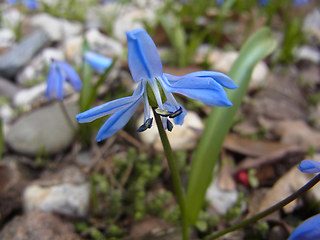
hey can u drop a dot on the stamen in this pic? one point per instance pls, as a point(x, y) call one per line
point(169, 125)
point(163, 113)
point(176, 113)
point(147, 124)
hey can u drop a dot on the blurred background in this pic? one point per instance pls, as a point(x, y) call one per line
point(56, 182)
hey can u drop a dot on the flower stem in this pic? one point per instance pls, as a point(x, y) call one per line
point(268, 211)
point(175, 175)
point(66, 116)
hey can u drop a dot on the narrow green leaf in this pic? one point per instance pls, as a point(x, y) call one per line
point(257, 47)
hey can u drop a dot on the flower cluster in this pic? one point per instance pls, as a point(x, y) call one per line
point(155, 89)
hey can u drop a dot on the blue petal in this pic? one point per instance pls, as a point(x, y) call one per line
point(308, 230)
point(111, 107)
point(71, 75)
point(31, 4)
point(143, 58)
point(117, 121)
point(203, 89)
point(309, 166)
point(98, 62)
point(219, 77)
point(54, 83)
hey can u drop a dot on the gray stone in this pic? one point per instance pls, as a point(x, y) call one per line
point(38, 226)
point(308, 53)
point(311, 24)
point(19, 56)
point(43, 129)
point(27, 96)
point(220, 200)
point(102, 44)
point(7, 38)
point(65, 192)
point(11, 18)
point(59, 29)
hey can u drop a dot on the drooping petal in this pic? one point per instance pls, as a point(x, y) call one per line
point(54, 83)
point(143, 58)
point(111, 107)
point(98, 62)
point(203, 89)
point(117, 121)
point(309, 166)
point(71, 75)
point(308, 230)
point(219, 77)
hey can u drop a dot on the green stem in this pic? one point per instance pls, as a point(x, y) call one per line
point(268, 211)
point(175, 175)
point(67, 117)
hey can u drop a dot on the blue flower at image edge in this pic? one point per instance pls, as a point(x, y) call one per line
point(59, 73)
point(146, 69)
point(309, 166)
point(308, 230)
point(30, 4)
point(97, 62)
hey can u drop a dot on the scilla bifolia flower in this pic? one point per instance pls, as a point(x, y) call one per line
point(155, 89)
point(59, 73)
point(98, 62)
point(308, 230)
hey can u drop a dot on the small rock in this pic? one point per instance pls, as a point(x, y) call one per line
point(66, 192)
point(297, 133)
point(182, 137)
point(59, 29)
point(311, 24)
point(7, 38)
point(27, 96)
point(225, 60)
point(11, 18)
point(220, 200)
point(131, 18)
point(19, 56)
point(45, 129)
point(7, 88)
point(102, 44)
point(308, 53)
point(38, 226)
point(6, 113)
point(73, 49)
point(35, 70)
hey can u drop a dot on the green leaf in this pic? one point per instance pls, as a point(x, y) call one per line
point(258, 46)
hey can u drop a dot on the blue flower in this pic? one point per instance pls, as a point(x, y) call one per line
point(309, 166)
point(308, 230)
point(155, 88)
point(98, 62)
point(30, 4)
point(59, 73)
